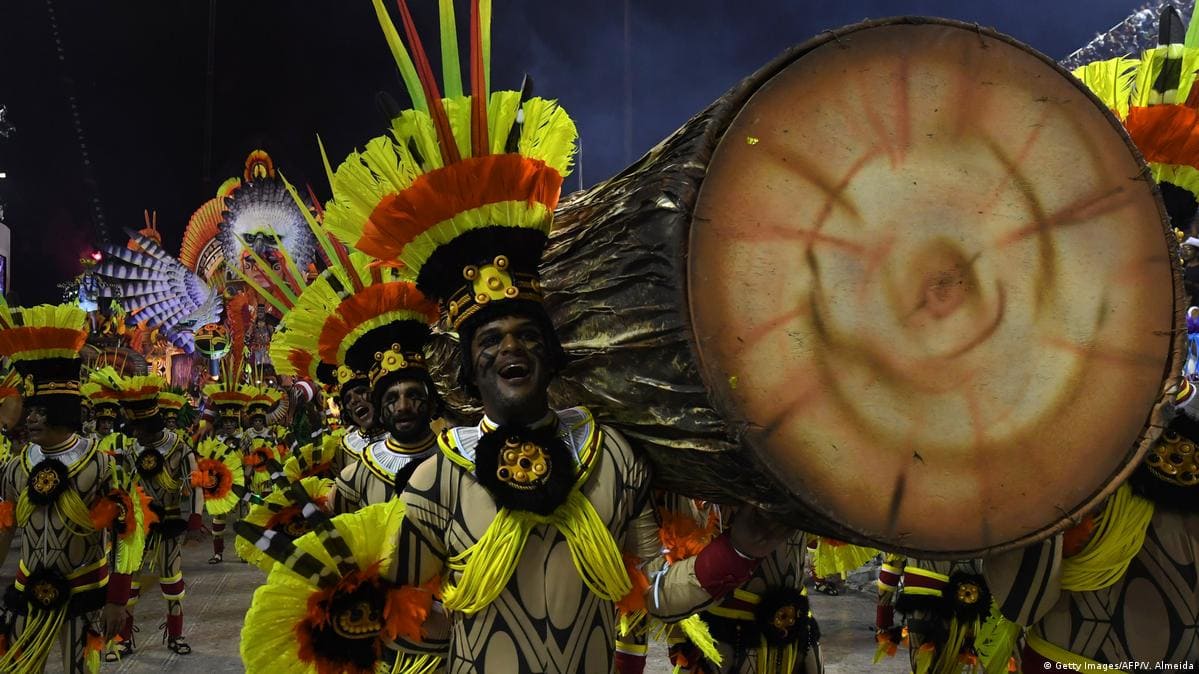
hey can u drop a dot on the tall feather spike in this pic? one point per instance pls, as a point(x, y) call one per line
point(451, 70)
point(403, 61)
point(485, 42)
point(478, 87)
point(441, 122)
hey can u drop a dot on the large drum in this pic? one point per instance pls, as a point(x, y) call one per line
point(907, 285)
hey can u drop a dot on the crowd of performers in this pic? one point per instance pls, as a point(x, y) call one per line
point(395, 537)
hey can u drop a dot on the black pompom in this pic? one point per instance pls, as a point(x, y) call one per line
point(542, 496)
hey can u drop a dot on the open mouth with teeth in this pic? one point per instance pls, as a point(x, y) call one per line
point(514, 371)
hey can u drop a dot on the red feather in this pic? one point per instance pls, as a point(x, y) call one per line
point(449, 148)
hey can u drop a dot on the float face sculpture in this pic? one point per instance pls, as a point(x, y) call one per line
point(907, 285)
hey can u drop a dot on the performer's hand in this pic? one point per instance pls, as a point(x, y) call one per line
point(755, 534)
point(113, 618)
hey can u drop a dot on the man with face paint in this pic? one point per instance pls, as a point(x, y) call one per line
point(164, 460)
point(405, 400)
point(358, 415)
point(230, 400)
point(105, 408)
point(170, 406)
point(260, 441)
point(71, 586)
point(537, 520)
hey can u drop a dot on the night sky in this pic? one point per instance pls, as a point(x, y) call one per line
point(285, 70)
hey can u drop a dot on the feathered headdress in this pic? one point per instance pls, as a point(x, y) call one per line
point(103, 390)
point(462, 190)
point(43, 343)
point(171, 403)
point(201, 250)
point(262, 221)
point(228, 396)
point(1154, 97)
point(263, 399)
point(139, 395)
point(11, 384)
point(334, 327)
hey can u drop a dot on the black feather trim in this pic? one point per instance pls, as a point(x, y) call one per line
point(782, 618)
point(410, 335)
point(441, 275)
point(542, 497)
point(1163, 493)
point(149, 463)
point(908, 604)
point(967, 597)
point(47, 590)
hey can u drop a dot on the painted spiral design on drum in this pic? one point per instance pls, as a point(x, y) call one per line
point(927, 276)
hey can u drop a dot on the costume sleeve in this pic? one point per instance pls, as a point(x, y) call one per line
point(685, 587)
point(421, 554)
point(8, 503)
point(888, 582)
point(346, 498)
point(1026, 583)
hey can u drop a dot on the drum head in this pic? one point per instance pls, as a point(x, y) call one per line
point(930, 281)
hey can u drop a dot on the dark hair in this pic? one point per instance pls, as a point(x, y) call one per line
point(151, 424)
point(62, 411)
point(528, 309)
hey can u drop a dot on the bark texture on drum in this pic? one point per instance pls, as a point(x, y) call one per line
point(668, 285)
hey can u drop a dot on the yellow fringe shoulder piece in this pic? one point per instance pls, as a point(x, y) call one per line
point(1119, 534)
point(485, 568)
point(408, 663)
point(1112, 81)
point(775, 659)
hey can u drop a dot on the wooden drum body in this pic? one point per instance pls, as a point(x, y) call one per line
point(907, 285)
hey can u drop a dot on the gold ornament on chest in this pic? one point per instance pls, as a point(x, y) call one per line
point(149, 462)
point(46, 481)
point(1174, 459)
point(523, 465)
point(45, 593)
point(968, 594)
point(784, 619)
